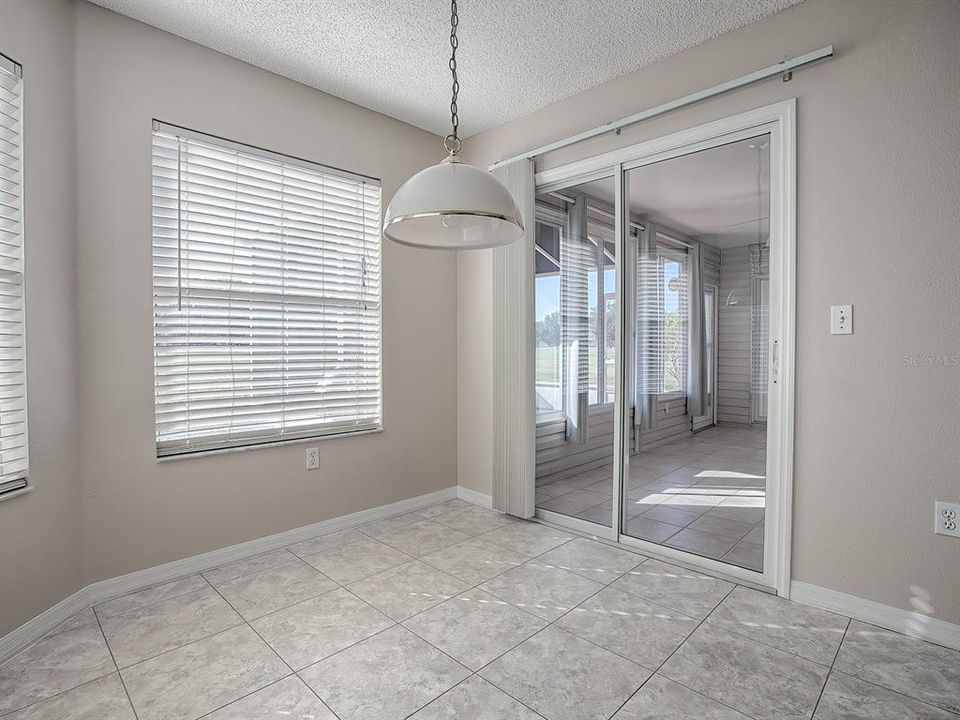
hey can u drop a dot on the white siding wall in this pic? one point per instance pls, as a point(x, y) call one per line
point(733, 338)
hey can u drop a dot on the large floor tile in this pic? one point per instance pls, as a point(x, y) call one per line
point(287, 699)
point(590, 559)
point(387, 677)
point(353, 561)
point(152, 629)
point(103, 699)
point(247, 566)
point(645, 528)
point(545, 591)
point(848, 698)
point(574, 502)
point(422, 538)
point(913, 667)
point(384, 527)
point(715, 523)
point(82, 619)
point(441, 508)
point(629, 626)
point(407, 589)
point(563, 677)
point(275, 588)
point(326, 542)
point(475, 628)
point(675, 587)
point(662, 699)
point(746, 555)
point(670, 515)
point(756, 679)
point(54, 664)
point(475, 699)
point(474, 520)
point(314, 629)
point(701, 543)
point(201, 677)
point(528, 538)
point(157, 593)
point(799, 629)
point(474, 561)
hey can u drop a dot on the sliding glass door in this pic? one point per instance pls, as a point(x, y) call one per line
point(658, 286)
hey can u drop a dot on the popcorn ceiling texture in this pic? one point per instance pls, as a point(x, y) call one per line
point(391, 55)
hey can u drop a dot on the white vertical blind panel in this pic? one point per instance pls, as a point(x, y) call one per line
point(13, 401)
point(266, 298)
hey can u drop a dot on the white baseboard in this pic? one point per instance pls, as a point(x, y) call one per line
point(99, 592)
point(474, 496)
point(907, 622)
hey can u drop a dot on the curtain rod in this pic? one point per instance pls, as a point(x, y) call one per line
point(784, 69)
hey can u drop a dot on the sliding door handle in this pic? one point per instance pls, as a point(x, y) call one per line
point(775, 363)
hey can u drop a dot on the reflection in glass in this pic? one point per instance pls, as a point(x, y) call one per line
point(697, 463)
point(575, 306)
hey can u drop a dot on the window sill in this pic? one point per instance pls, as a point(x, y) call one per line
point(16, 493)
point(265, 445)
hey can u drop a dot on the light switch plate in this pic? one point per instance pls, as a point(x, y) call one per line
point(841, 319)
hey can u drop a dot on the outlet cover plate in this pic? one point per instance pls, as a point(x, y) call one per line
point(312, 458)
point(947, 519)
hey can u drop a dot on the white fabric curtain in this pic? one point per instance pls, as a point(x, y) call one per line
point(697, 341)
point(577, 257)
point(647, 334)
point(514, 421)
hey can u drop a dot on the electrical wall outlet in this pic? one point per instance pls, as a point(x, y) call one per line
point(947, 519)
point(313, 458)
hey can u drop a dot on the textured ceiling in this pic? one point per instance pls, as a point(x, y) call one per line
point(515, 56)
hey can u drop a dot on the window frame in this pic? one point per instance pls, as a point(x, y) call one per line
point(223, 442)
point(546, 215)
point(671, 250)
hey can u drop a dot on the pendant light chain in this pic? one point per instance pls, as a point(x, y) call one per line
point(452, 141)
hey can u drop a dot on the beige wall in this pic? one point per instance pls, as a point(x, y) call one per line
point(878, 187)
point(102, 505)
point(137, 512)
point(40, 560)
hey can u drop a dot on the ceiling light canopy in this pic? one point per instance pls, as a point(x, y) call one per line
point(453, 205)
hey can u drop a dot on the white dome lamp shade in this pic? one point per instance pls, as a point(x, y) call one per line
point(453, 205)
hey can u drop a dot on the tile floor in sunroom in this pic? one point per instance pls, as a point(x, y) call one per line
point(455, 611)
point(704, 494)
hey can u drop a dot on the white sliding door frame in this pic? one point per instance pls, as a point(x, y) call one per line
point(779, 121)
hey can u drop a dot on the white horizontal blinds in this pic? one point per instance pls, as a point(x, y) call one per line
point(648, 313)
point(266, 297)
point(672, 330)
point(13, 401)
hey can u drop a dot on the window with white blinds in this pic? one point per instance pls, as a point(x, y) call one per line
point(266, 291)
point(13, 391)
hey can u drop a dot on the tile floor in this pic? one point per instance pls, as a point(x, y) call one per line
point(704, 494)
point(456, 612)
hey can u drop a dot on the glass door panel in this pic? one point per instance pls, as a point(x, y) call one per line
point(696, 452)
point(575, 308)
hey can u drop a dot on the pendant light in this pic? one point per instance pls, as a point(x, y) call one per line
point(452, 205)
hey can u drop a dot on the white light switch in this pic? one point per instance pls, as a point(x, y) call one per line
point(841, 319)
